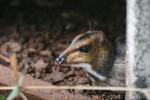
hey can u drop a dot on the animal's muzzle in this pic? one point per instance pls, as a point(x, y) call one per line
point(60, 59)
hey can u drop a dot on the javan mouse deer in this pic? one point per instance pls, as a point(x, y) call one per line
point(93, 52)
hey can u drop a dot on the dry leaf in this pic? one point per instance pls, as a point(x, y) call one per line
point(13, 65)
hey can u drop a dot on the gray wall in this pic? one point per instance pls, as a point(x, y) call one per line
point(138, 45)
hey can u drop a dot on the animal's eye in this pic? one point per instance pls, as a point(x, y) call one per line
point(85, 49)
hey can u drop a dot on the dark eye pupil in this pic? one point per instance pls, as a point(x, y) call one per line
point(85, 49)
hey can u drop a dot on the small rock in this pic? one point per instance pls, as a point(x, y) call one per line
point(10, 46)
point(46, 53)
point(28, 64)
point(4, 49)
point(55, 76)
point(82, 80)
point(32, 50)
point(40, 67)
point(58, 76)
point(15, 46)
point(95, 97)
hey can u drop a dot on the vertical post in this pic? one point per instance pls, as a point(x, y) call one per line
point(138, 47)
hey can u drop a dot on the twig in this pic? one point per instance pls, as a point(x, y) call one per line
point(4, 58)
point(82, 88)
point(17, 89)
point(23, 96)
point(19, 77)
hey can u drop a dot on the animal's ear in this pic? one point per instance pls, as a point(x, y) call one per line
point(100, 37)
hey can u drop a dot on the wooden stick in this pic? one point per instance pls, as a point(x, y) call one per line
point(81, 88)
point(4, 58)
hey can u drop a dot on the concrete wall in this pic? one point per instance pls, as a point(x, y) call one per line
point(138, 47)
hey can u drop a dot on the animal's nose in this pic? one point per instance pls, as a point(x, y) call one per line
point(60, 59)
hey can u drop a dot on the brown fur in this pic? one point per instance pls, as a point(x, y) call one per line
point(99, 57)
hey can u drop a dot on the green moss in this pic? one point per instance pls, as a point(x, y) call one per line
point(2, 98)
